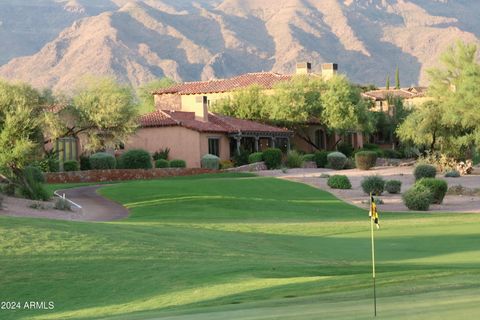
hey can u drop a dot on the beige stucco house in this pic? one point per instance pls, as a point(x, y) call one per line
point(184, 109)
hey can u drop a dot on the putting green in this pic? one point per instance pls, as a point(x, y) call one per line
point(240, 247)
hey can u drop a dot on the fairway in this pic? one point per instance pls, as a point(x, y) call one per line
point(235, 246)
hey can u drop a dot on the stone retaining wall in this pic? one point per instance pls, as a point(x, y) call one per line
point(121, 174)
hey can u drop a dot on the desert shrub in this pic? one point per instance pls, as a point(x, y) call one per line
point(32, 188)
point(345, 148)
point(424, 171)
point(1, 201)
point(442, 162)
point(62, 204)
point(371, 146)
point(85, 163)
point(350, 164)
point(9, 189)
point(294, 159)
point(255, 157)
point(162, 163)
point(308, 157)
point(320, 158)
point(437, 187)
point(35, 172)
point(452, 174)
point(417, 198)
point(241, 158)
point(161, 154)
point(336, 160)
point(339, 182)
point(226, 164)
point(210, 161)
point(392, 154)
point(102, 161)
point(373, 184)
point(272, 158)
point(324, 175)
point(70, 165)
point(136, 159)
point(177, 163)
point(393, 186)
point(365, 159)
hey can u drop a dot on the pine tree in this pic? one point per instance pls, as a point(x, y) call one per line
point(397, 78)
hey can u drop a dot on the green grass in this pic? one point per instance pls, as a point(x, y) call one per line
point(240, 247)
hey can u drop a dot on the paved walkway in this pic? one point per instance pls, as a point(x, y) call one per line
point(94, 206)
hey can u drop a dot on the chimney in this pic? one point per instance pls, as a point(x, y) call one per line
point(329, 70)
point(304, 68)
point(201, 110)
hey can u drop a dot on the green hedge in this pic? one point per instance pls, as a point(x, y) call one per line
point(345, 148)
point(308, 157)
point(339, 182)
point(162, 163)
point(437, 187)
point(424, 171)
point(321, 158)
point(418, 198)
point(255, 157)
point(294, 159)
point(71, 165)
point(373, 184)
point(136, 159)
point(365, 160)
point(393, 186)
point(210, 161)
point(102, 161)
point(177, 163)
point(272, 158)
point(336, 160)
point(85, 163)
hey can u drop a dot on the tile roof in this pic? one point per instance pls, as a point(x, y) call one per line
point(216, 123)
point(406, 93)
point(264, 79)
point(157, 119)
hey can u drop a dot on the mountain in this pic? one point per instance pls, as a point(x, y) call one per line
point(52, 43)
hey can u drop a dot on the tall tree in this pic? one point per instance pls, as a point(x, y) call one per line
point(455, 92)
point(397, 78)
point(249, 103)
point(344, 109)
point(21, 138)
point(101, 110)
point(144, 93)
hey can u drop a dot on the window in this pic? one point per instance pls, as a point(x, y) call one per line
point(214, 146)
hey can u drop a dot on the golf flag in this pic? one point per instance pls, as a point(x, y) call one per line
point(374, 212)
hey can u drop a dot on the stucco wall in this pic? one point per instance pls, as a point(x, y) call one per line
point(183, 143)
point(224, 144)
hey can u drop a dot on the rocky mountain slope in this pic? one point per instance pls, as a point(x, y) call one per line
point(52, 43)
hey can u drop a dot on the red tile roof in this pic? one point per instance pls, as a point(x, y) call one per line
point(216, 123)
point(157, 119)
point(263, 79)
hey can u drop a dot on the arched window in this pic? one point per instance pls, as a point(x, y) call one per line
point(319, 138)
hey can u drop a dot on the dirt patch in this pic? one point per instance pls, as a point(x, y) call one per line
point(94, 207)
point(355, 196)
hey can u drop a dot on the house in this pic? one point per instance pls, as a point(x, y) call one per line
point(383, 98)
point(187, 105)
point(191, 134)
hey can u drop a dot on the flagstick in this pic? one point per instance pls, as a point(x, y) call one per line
point(373, 262)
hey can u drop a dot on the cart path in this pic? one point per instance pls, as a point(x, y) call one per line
point(94, 206)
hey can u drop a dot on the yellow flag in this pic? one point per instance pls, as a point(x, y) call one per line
point(373, 211)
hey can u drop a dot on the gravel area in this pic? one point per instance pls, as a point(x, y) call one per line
point(391, 202)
